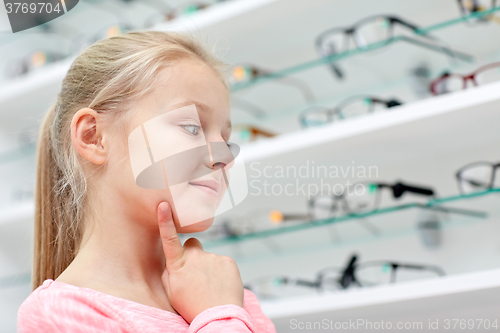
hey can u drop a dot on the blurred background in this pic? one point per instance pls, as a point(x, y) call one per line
point(369, 131)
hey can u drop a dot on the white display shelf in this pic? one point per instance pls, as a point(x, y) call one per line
point(434, 125)
point(412, 296)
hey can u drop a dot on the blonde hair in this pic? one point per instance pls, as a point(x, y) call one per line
point(104, 77)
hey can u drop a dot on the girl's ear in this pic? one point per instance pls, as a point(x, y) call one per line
point(87, 136)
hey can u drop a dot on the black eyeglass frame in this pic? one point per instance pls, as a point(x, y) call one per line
point(460, 179)
point(398, 189)
point(347, 274)
point(337, 110)
point(350, 31)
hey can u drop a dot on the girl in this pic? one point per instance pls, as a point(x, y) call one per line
point(107, 256)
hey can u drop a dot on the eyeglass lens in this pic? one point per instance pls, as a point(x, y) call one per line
point(274, 287)
point(476, 178)
point(383, 273)
point(373, 31)
point(362, 197)
point(323, 207)
point(316, 116)
point(358, 106)
point(487, 75)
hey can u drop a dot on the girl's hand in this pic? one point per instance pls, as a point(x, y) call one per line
point(195, 280)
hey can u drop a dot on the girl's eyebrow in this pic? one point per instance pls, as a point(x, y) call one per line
point(202, 107)
point(199, 105)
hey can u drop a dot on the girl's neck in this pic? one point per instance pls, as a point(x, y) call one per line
point(120, 257)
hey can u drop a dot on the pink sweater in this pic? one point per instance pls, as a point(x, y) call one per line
point(60, 307)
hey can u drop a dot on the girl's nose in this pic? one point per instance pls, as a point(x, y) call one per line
point(220, 154)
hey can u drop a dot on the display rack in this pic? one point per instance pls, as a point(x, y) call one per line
point(371, 47)
point(42, 85)
point(436, 205)
point(437, 297)
point(422, 131)
point(393, 221)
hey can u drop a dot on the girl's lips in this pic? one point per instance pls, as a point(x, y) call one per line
point(206, 189)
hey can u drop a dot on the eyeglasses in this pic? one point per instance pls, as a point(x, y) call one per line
point(245, 73)
point(376, 272)
point(478, 176)
point(449, 82)
point(354, 274)
point(375, 29)
point(349, 107)
point(468, 7)
point(361, 197)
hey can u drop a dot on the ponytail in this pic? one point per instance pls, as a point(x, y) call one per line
point(43, 254)
point(55, 244)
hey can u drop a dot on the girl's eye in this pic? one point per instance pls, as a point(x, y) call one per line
point(193, 129)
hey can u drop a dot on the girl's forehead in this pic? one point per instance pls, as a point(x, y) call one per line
point(186, 83)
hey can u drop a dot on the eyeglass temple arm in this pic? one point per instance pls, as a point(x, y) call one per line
point(436, 269)
point(442, 49)
point(305, 283)
point(389, 103)
point(472, 182)
point(337, 71)
point(417, 30)
point(254, 131)
point(303, 86)
point(467, 212)
point(333, 66)
point(414, 189)
point(249, 107)
point(405, 23)
point(396, 265)
point(393, 102)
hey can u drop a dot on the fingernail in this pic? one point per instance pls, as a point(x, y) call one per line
point(164, 207)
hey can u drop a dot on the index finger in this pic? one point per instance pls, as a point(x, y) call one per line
point(172, 246)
